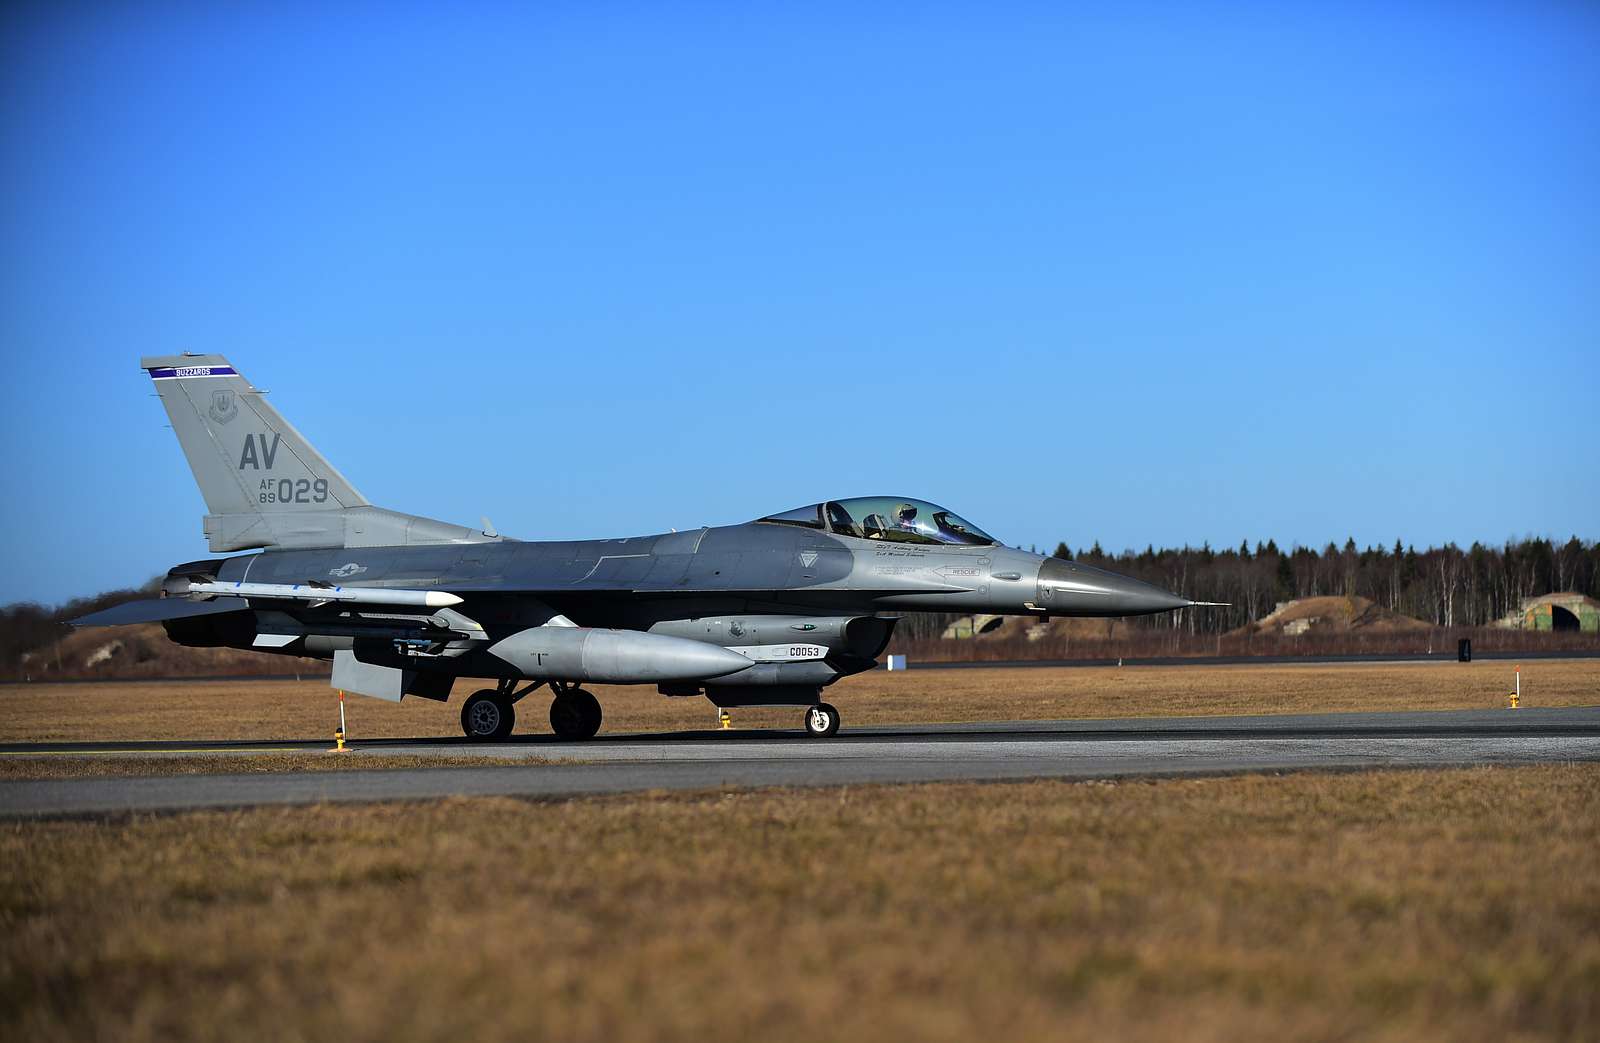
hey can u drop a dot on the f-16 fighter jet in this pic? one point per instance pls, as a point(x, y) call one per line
point(767, 613)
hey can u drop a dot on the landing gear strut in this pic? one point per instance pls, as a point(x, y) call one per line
point(822, 721)
point(491, 713)
point(574, 713)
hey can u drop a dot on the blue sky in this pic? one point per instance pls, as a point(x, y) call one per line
point(1139, 274)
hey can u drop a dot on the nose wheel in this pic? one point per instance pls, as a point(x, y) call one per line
point(822, 721)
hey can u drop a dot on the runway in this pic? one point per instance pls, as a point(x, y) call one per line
point(992, 751)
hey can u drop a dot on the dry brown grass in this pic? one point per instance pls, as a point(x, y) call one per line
point(286, 709)
point(85, 766)
point(1458, 904)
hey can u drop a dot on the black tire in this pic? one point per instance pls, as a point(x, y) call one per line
point(486, 716)
point(822, 721)
point(591, 710)
point(575, 716)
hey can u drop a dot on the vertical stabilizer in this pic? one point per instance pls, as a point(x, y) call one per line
point(263, 483)
point(246, 458)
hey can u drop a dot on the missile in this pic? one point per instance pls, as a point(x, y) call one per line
point(613, 656)
point(311, 592)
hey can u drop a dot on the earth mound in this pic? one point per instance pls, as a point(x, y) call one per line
point(1333, 614)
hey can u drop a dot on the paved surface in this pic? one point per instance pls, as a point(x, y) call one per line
point(1443, 656)
point(925, 753)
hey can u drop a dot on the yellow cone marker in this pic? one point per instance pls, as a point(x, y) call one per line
point(1515, 697)
point(725, 718)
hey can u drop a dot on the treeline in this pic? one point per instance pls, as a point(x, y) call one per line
point(28, 627)
point(1446, 586)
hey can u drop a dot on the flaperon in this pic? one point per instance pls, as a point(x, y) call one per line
point(765, 613)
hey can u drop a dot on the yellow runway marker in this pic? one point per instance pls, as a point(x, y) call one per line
point(338, 736)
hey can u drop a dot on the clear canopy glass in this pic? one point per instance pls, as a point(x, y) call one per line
point(893, 519)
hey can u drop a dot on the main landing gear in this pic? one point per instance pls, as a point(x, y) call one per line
point(491, 714)
point(574, 714)
point(822, 721)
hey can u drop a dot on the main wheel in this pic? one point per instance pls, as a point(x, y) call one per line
point(591, 710)
point(822, 721)
point(575, 715)
point(487, 715)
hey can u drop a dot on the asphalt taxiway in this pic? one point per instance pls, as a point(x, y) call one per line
point(989, 751)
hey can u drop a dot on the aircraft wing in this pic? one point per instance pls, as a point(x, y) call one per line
point(158, 610)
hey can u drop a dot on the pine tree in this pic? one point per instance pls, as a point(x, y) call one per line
point(1285, 578)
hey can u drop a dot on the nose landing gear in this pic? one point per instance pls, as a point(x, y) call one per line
point(822, 721)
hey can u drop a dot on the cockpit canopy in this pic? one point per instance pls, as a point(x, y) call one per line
point(894, 519)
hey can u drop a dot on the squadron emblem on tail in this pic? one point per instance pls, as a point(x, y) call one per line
point(223, 407)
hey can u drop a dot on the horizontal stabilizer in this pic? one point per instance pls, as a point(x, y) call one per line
point(157, 610)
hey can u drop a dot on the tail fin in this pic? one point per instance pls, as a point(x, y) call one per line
point(263, 483)
point(246, 458)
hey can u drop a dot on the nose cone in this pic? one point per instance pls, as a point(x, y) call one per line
point(1081, 590)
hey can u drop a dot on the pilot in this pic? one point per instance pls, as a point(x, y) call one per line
point(906, 518)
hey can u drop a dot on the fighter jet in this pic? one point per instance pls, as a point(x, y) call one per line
point(765, 613)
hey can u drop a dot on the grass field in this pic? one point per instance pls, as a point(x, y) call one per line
point(288, 709)
point(1460, 904)
point(84, 766)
